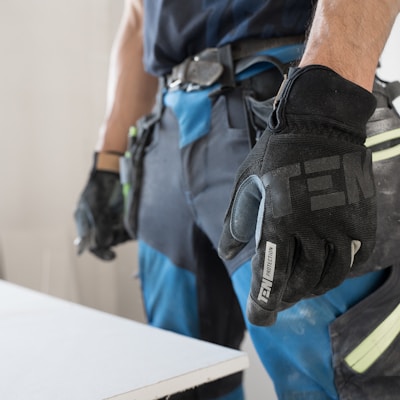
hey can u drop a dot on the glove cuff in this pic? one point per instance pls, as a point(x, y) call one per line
point(318, 93)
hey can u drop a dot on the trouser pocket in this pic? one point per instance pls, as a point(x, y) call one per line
point(366, 345)
point(383, 139)
point(258, 94)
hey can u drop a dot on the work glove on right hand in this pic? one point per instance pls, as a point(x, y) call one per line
point(99, 215)
point(305, 192)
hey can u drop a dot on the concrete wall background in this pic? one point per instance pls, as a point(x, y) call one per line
point(54, 60)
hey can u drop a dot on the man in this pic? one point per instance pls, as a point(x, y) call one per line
point(278, 256)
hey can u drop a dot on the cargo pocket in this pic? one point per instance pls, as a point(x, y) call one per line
point(383, 139)
point(131, 170)
point(385, 148)
point(258, 115)
point(366, 345)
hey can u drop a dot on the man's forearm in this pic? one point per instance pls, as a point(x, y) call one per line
point(131, 91)
point(349, 36)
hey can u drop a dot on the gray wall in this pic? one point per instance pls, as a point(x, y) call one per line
point(54, 59)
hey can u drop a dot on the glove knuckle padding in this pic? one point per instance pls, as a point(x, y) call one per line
point(313, 176)
point(247, 204)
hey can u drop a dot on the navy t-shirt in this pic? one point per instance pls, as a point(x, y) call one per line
point(177, 29)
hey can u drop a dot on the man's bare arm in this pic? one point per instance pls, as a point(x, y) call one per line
point(349, 36)
point(131, 91)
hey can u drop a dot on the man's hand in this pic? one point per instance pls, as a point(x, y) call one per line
point(306, 192)
point(99, 215)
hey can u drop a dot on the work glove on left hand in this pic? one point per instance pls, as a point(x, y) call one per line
point(306, 193)
point(99, 215)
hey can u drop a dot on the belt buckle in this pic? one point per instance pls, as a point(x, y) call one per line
point(194, 73)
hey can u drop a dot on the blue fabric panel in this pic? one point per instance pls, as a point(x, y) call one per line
point(296, 351)
point(192, 109)
point(169, 293)
point(237, 394)
point(284, 54)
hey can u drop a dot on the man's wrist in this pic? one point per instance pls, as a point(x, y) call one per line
point(107, 161)
point(349, 36)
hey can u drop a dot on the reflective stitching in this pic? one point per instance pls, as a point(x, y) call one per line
point(373, 346)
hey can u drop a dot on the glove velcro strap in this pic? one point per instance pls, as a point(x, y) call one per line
point(107, 162)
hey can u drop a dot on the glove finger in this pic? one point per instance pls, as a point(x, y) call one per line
point(271, 269)
point(84, 230)
point(258, 315)
point(81, 244)
point(103, 230)
point(309, 263)
point(362, 253)
point(337, 267)
point(105, 254)
point(119, 236)
point(241, 220)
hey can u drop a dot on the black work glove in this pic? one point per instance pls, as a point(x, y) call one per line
point(99, 215)
point(305, 192)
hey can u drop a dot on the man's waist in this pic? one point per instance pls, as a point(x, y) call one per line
point(224, 64)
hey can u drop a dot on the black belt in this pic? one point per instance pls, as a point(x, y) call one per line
point(220, 64)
